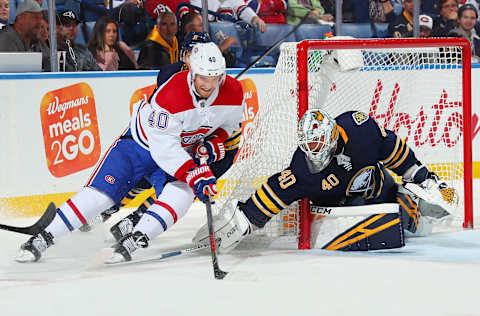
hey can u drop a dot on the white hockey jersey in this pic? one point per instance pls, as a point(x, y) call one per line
point(174, 121)
point(236, 8)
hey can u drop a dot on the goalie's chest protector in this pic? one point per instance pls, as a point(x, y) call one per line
point(353, 171)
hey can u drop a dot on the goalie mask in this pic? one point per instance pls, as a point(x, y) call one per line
point(317, 137)
point(207, 60)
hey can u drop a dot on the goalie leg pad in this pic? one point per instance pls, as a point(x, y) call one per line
point(361, 233)
point(230, 229)
point(409, 210)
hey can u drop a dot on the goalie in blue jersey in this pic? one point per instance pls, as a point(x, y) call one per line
point(341, 162)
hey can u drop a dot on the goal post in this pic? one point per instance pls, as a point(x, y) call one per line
point(303, 49)
point(418, 88)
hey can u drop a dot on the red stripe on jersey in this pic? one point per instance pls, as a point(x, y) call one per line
point(231, 93)
point(181, 173)
point(101, 162)
point(169, 209)
point(174, 96)
point(76, 211)
point(240, 8)
point(139, 123)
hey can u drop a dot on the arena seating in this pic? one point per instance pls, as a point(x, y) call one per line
point(312, 31)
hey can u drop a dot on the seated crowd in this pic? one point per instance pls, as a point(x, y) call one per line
point(147, 34)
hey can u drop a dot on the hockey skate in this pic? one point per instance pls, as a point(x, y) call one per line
point(230, 228)
point(126, 246)
point(32, 250)
point(125, 226)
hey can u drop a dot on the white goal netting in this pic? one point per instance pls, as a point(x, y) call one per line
point(416, 92)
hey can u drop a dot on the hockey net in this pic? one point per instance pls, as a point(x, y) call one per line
point(419, 88)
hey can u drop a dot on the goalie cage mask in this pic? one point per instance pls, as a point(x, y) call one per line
point(317, 137)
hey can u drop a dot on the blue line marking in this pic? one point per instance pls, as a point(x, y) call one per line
point(65, 220)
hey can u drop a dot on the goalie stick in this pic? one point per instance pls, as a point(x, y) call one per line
point(36, 228)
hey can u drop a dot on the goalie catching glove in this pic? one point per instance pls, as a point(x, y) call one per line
point(229, 229)
point(202, 181)
point(213, 150)
point(430, 181)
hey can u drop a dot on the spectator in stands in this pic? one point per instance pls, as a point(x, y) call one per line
point(379, 11)
point(161, 46)
point(447, 21)
point(110, 53)
point(228, 10)
point(4, 13)
point(154, 7)
point(129, 13)
point(19, 37)
point(297, 9)
point(467, 19)
point(41, 42)
point(426, 24)
point(43, 30)
point(270, 11)
point(79, 57)
point(402, 25)
point(193, 22)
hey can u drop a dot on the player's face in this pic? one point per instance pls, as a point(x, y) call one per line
point(205, 85)
point(467, 20)
point(316, 146)
point(110, 36)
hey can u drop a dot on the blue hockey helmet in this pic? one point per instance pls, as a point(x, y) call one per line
point(193, 38)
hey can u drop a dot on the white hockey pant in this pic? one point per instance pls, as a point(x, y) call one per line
point(172, 204)
point(81, 208)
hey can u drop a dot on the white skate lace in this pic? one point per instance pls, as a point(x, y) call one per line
point(125, 226)
point(130, 244)
point(39, 243)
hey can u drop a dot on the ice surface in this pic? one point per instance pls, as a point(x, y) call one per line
point(435, 275)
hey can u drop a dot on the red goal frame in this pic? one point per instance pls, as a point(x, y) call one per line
point(302, 86)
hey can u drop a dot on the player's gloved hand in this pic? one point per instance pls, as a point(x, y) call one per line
point(212, 149)
point(202, 181)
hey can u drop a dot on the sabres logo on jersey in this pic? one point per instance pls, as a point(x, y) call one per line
point(363, 182)
point(359, 117)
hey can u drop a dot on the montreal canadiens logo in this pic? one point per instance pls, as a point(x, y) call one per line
point(110, 179)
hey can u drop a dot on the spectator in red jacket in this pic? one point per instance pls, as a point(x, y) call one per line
point(270, 11)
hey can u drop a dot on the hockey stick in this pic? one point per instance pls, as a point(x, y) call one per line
point(98, 261)
point(219, 274)
point(354, 210)
point(273, 46)
point(39, 226)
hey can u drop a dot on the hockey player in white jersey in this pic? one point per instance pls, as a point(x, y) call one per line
point(202, 106)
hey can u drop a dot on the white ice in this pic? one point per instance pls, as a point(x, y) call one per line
point(435, 275)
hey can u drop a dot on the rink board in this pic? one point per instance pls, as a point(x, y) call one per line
point(56, 128)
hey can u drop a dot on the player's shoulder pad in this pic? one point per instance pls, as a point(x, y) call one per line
point(356, 118)
point(231, 92)
point(174, 96)
point(167, 71)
